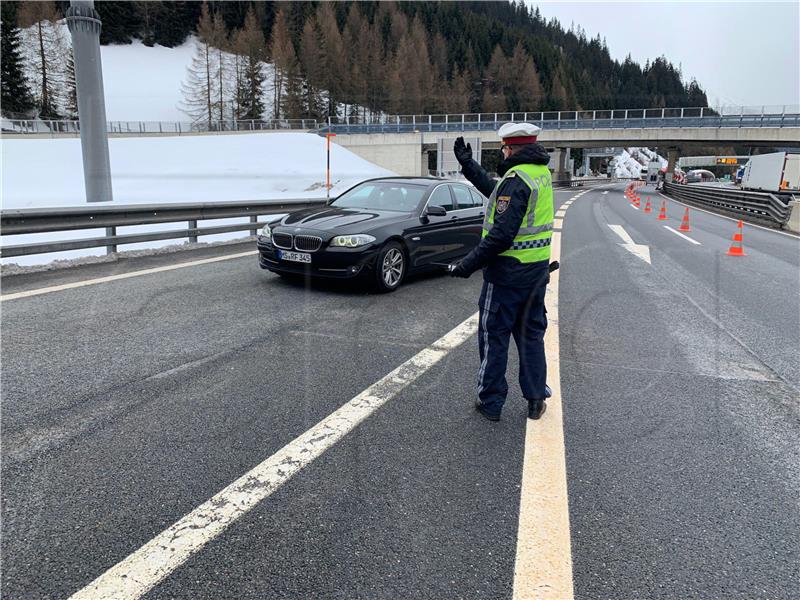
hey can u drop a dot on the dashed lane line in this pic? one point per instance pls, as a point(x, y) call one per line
point(543, 567)
point(150, 564)
point(98, 280)
point(686, 237)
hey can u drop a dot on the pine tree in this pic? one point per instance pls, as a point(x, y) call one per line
point(250, 47)
point(283, 59)
point(16, 97)
point(496, 77)
point(333, 56)
point(311, 62)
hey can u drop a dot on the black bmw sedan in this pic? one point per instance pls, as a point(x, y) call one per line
point(381, 229)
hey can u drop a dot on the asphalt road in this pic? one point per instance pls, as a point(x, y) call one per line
point(128, 404)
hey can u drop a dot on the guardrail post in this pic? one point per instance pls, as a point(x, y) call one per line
point(111, 232)
point(193, 234)
point(254, 230)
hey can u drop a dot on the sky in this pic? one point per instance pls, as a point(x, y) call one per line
point(741, 53)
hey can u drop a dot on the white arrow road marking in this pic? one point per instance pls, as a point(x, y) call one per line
point(686, 237)
point(639, 250)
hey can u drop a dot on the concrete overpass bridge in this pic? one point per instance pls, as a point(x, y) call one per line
point(402, 143)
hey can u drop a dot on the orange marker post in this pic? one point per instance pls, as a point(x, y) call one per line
point(328, 136)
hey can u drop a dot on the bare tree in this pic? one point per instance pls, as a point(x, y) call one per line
point(199, 89)
point(46, 51)
point(311, 61)
point(333, 54)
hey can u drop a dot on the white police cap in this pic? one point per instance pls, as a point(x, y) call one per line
point(519, 133)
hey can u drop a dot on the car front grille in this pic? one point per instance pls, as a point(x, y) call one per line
point(282, 240)
point(307, 243)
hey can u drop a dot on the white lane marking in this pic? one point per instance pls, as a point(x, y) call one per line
point(150, 564)
point(633, 206)
point(604, 193)
point(693, 207)
point(639, 250)
point(686, 237)
point(77, 284)
point(558, 223)
point(560, 213)
point(543, 566)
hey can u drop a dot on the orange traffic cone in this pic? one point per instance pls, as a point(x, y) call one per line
point(647, 208)
point(662, 214)
point(637, 202)
point(737, 247)
point(685, 222)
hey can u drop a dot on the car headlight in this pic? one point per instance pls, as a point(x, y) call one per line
point(266, 232)
point(352, 241)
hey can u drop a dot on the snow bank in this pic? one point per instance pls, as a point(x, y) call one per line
point(42, 173)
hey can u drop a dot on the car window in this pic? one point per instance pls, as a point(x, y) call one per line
point(463, 197)
point(477, 197)
point(381, 195)
point(441, 197)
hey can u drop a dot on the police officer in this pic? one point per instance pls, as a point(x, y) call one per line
point(514, 254)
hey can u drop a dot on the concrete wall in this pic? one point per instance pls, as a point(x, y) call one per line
point(401, 154)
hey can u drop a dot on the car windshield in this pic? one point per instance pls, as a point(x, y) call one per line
point(382, 195)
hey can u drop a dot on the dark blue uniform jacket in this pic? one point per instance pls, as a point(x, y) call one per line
point(505, 270)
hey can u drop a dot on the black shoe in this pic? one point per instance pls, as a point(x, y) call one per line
point(536, 408)
point(482, 409)
point(547, 392)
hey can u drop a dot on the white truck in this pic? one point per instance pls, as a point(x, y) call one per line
point(774, 172)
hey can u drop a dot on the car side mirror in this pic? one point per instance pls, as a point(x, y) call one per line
point(436, 211)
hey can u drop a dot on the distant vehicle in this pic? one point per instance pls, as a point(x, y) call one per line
point(774, 172)
point(380, 230)
point(653, 169)
point(643, 174)
point(700, 176)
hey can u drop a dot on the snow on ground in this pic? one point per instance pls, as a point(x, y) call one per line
point(43, 173)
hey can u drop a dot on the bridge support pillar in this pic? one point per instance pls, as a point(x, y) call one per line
point(561, 173)
point(672, 159)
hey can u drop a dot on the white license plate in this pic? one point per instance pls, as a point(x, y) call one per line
point(300, 257)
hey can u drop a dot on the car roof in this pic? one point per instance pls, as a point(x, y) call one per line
point(427, 181)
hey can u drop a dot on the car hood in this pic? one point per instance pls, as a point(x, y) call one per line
point(340, 220)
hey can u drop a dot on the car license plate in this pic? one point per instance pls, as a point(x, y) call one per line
point(301, 257)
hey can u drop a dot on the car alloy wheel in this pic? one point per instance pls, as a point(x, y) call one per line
point(390, 268)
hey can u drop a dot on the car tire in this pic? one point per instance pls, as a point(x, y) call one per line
point(391, 267)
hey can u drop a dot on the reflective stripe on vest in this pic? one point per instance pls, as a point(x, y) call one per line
point(532, 242)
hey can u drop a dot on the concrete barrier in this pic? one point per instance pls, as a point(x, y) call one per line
point(793, 224)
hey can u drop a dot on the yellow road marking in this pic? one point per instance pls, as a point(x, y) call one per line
point(543, 569)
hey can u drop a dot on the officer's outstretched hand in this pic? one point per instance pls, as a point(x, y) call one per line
point(462, 151)
point(458, 270)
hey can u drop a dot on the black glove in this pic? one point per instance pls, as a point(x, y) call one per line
point(458, 270)
point(462, 151)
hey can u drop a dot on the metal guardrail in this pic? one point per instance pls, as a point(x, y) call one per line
point(22, 221)
point(742, 203)
point(48, 220)
point(72, 127)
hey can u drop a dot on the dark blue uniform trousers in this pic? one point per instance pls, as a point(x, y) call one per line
point(507, 311)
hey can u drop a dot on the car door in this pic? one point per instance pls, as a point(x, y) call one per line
point(469, 209)
point(437, 238)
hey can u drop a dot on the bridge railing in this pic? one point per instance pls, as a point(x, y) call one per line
point(566, 120)
point(47, 220)
point(761, 206)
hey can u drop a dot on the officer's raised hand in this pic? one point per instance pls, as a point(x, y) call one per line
point(462, 151)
